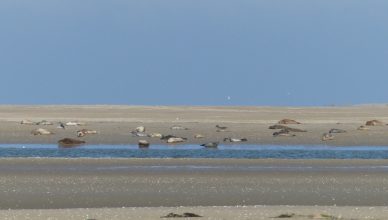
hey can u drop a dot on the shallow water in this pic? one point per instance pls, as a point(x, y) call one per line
point(195, 151)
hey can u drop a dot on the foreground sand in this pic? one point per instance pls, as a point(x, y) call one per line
point(43, 188)
point(115, 122)
point(97, 183)
point(208, 213)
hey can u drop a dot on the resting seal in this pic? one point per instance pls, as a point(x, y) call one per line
point(286, 128)
point(41, 131)
point(173, 140)
point(288, 121)
point(69, 142)
point(336, 130)
point(327, 136)
point(84, 132)
point(143, 144)
point(178, 127)
point(284, 133)
point(374, 123)
point(235, 139)
point(210, 145)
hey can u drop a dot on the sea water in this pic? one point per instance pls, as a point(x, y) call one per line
point(195, 151)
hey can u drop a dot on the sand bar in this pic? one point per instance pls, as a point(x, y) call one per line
point(115, 122)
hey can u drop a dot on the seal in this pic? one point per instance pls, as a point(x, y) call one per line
point(198, 136)
point(72, 123)
point(374, 123)
point(210, 145)
point(327, 136)
point(235, 139)
point(221, 127)
point(288, 121)
point(27, 122)
point(84, 132)
point(277, 126)
point(61, 125)
point(363, 128)
point(139, 134)
point(284, 133)
point(166, 137)
point(69, 142)
point(173, 140)
point(336, 131)
point(41, 131)
point(44, 122)
point(156, 135)
point(178, 127)
point(143, 144)
point(140, 129)
point(184, 215)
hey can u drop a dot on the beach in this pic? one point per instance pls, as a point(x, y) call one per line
point(86, 188)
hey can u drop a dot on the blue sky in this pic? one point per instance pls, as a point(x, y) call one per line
point(194, 52)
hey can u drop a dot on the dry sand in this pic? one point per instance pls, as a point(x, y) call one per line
point(115, 122)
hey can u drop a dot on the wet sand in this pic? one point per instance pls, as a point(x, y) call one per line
point(96, 183)
point(43, 188)
point(115, 122)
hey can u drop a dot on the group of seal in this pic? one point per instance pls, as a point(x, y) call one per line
point(65, 142)
point(172, 139)
point(366, 126)
point(284, 130)
point(281, 126)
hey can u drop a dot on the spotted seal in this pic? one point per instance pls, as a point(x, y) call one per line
point(178, 127)
point(139, 134)
point(143, 144)
point(198, 136)
point(374, 123)
point(288, 121)
point(140, 129)
point(283, 133)
point(72, 123)
point(277, 126)
point(327, 136)
point(210, 145)
point(70, 142)
point(363, 128)
point(27, 122)
point(235, 139)
point(84, 132)
point(44, 122)
point(173, 140)
point(221, 127)
point(336, 131)
point(41, 131)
